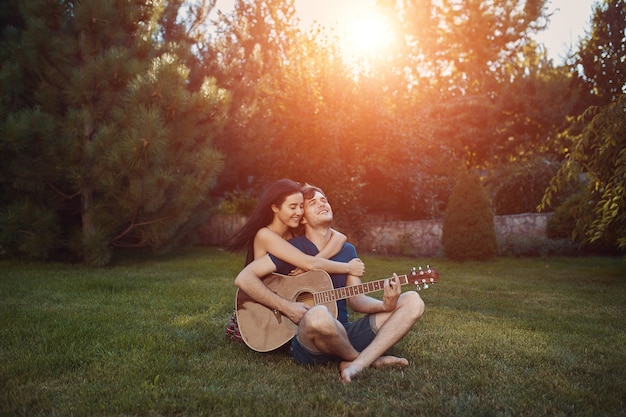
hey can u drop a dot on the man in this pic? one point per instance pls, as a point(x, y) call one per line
point(320, 336)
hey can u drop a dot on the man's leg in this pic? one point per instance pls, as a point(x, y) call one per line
point(392, 327)
point(319, 331)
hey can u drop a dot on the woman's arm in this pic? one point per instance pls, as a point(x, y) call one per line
point(284, 250)
point(334, 245)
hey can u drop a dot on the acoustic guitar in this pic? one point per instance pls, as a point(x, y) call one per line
point(264, 329)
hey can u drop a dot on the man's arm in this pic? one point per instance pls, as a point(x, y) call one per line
point(368, 305)
point(249, 280)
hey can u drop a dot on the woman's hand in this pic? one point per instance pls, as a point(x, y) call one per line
point(356, 267)
point(297, 271)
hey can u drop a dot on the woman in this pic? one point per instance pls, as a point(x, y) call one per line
point(275, 220)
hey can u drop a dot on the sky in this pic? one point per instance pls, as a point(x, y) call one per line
point(568, 24)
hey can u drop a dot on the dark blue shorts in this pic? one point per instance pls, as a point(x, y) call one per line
point(360, 333)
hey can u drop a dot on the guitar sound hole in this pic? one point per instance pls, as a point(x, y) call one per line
point(306, 298)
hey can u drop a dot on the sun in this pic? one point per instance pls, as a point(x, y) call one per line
point(364, 37)
point(361, 29)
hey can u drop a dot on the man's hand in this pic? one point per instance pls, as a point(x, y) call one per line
point(296, 311)
point(356, 267)
point(392, 291)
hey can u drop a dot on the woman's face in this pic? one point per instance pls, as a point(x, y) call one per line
point(291, 211)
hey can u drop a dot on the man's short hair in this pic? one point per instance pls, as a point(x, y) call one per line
point(308, 191)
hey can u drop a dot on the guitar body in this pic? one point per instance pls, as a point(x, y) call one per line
point(264, 329)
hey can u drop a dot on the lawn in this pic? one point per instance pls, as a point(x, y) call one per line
point(145, 337)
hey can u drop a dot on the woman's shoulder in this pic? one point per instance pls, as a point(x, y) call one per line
point(264, 233)
point(264, 237)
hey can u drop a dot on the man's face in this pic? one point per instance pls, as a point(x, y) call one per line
point(317, 210)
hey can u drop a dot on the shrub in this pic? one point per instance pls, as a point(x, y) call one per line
point(519, 187)
point(468, 228)
point(237, 202)
point(562, 223)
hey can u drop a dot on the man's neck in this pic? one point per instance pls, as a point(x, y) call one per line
point(319, 236)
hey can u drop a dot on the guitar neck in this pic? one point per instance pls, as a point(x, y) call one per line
point(353, 290)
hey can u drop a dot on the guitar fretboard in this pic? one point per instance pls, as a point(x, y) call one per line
point(353, 290)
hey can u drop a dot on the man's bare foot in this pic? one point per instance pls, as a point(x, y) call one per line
point(348, 371)
point(390, 361)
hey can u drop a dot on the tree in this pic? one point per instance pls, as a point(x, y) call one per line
point(468, 229)
point(469, 84)
point(598, 154)
point(493, 95)
point(518, 186)
point(108, 144)
point(596, 161)
point(247, 54)
point(601, 53)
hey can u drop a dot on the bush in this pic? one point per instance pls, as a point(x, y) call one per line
point(468, 228)
point(519, 187)
point(562, 223)
point(237, 202)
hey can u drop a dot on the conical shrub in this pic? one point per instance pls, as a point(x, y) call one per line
point(468, 228)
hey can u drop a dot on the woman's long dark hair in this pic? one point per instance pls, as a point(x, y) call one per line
point(275, 194)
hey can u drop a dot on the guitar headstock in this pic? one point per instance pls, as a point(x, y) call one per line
point(423, 277)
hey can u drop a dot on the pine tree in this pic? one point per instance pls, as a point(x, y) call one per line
point(468, 228)
point(108, 144)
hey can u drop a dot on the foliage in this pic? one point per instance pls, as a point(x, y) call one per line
point(597, 136)
point(601, 53)
point(562, 223)
point(599, 154)
point(145, 336)
point(237, 202)
point(108, 144)
point(382, 137)
point(489, 93)
point(468, 231)
point(518, 187)
point(110, 99)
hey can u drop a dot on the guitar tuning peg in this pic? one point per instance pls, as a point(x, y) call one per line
point(428, 269)
point(425, 286)
point(413, 270)
point(421, 271)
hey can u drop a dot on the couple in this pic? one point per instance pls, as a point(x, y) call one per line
point(321, 338)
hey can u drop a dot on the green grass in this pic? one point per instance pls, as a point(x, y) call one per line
point(145, 337)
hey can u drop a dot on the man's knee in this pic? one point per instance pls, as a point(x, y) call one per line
point(413, 304)
point(318, 319)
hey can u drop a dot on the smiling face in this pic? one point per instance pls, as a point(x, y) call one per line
point(317, 210)
point(290, 212)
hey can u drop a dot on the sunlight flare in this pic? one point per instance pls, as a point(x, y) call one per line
point(364, 36)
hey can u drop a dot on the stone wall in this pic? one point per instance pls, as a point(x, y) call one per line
point(424, 237)
point(414, 238)
point(220, 228)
